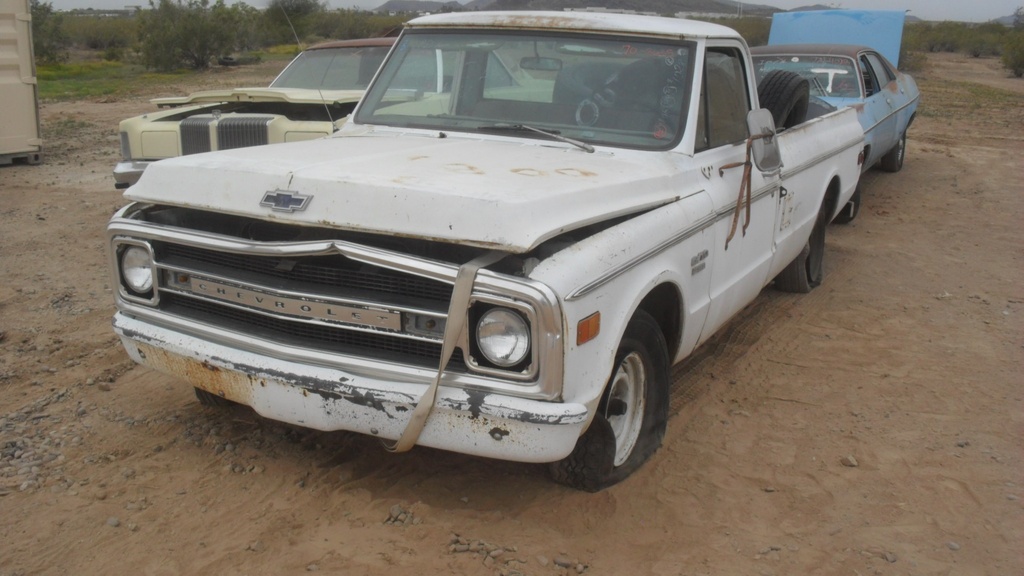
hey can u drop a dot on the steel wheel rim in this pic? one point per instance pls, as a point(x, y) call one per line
point(628, 386)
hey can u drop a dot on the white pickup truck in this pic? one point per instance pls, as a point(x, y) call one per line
point(504, 256)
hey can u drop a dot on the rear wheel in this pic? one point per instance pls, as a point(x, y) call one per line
point(631, 417)
point(806, 271)
point(893, 159)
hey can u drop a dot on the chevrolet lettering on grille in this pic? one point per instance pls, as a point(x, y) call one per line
point(285, 201)
point(298, 307)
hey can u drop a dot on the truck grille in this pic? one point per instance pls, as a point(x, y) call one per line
point(318, 273)
point(313, 337)
point(315, 278)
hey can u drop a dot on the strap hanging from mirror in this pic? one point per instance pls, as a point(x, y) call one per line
point(744, 198)
point(458, 310)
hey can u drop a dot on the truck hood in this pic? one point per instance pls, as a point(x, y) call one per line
point(292, 95)
point(502, 193)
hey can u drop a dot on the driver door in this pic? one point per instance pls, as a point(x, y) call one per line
point(742, 251)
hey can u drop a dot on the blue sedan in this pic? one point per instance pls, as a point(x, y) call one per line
point(885, 99)
point(847, 57)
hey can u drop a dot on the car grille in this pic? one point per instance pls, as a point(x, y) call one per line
point(195, 134)
point(242, 131)
point(232, 132)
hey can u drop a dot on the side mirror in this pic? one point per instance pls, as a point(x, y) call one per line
point(764, 145)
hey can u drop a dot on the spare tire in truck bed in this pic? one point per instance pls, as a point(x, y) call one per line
point(786, 95)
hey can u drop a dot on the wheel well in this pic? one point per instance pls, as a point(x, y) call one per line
point(832, 195)
point(664, 304)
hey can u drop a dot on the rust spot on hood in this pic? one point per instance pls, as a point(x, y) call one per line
point(528, 172)
point(464, 168)
point(576, 172)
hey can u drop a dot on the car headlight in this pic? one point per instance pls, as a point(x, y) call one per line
point(503, 337)
point(137, 269)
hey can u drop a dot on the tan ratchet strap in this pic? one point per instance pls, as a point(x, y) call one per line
point(744, 198)
point(457, 311)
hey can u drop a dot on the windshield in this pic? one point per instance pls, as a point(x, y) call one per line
point(596, 90)
point(348, 68)
point(830, 76)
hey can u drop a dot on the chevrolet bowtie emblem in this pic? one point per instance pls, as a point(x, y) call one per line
point(285, 201)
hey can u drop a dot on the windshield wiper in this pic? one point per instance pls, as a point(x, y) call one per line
point(553, 134)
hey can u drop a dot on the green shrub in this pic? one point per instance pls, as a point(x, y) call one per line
point(101, 33)
point(49, 42)
point(186, 33)
point(1013, 53)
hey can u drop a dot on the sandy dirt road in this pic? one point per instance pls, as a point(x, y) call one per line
point(872, 427)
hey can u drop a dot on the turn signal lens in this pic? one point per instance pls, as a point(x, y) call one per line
point(588, 328)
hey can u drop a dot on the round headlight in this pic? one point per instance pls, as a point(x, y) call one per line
point(503, 337)
point(137, 269)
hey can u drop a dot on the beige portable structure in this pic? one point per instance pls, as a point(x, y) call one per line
point(19, 100)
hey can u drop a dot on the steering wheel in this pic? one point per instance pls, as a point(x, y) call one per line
point(588, 111)
point(637, 88)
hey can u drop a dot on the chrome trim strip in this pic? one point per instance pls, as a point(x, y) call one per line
point(176, 287)
point(694, 229)
point(628, 265)
point(890, 114)
point(821, 157)
point(310, 321)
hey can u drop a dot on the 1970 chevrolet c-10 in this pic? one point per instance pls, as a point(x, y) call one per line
point(528, 219)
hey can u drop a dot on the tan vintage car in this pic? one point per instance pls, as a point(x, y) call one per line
point(309, 99)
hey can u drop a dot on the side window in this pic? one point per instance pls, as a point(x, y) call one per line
point(882, 72)
point(722, 114)
point(871, 80)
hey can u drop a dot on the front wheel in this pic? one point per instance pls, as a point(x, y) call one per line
point(631, 417)
point(806, 271)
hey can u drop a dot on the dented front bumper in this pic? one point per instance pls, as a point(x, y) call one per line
point(463, 420)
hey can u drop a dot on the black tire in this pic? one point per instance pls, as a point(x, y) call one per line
point(850, 211)
point(786, 95)
point(807, 270)
point(209, 399)
point(893, 159)
point(624, 433)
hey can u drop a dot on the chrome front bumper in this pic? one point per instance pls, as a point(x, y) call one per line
point(127, 173)
point(480, 423)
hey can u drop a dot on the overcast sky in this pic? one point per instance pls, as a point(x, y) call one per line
point(962, 10)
